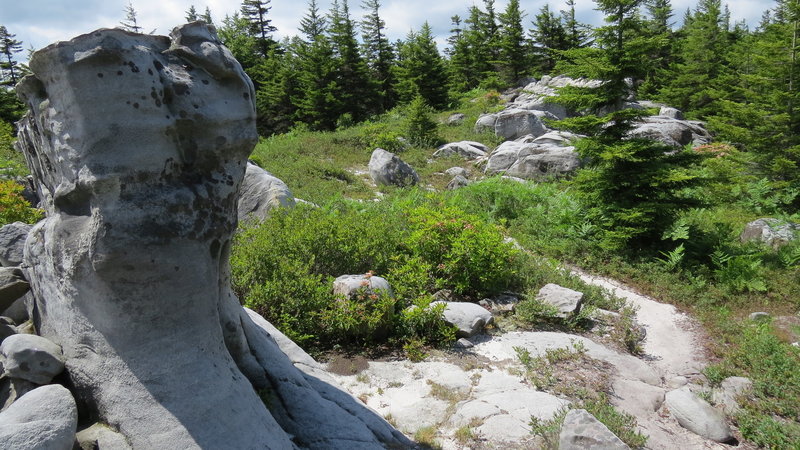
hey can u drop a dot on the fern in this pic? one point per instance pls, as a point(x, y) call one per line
point(672, 260)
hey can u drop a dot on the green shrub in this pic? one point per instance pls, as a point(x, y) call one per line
point(14, 208)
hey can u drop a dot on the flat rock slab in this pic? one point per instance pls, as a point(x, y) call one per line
point(582, 431)
point(45, 418)
point(697, 416)
point(565, 300)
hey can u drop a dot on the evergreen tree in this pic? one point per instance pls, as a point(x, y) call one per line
point(576, 33)
point(513, 46)
point(480, 46)
point(9, 68)
point(206, 17)
point(256, 13)
point(659, 27)
point(549, 37)
point(317, 95)
point(420, 128)
point(191, 14)
point(235, 34)
point(459, 67)
point(379, 54)
point(358, 95)
point(130, 23)
point(420, 69)
point(278, 84)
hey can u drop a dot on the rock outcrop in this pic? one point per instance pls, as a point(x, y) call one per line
point(773, 232)
point(388, 169)
point(464, 149)
point(45, 418)
point(532, 160)
point(12, 243)
point(582, 431)
point(697, 416)
point(138, 145)
point(260, 193)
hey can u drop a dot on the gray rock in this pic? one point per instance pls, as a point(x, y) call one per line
point(515, 123)
point(463, 343)
point(503, 303)
point(469, 318)
point(455, 171)
point(672, 113)
point(45, 419)
point(697, 416)
point(582, 431)
point(773, 232)
point(465, 149)
point(532, 161)
point(485, 123)
point(556, 138)
point(635, 397)
point(6, 330)
point(729, 391)
point(565, 300)
point(677, 382)
point(388, 169)
point(12, 241)
point(455, 119)
point(31, 358)
point(18, 311)
point(350, 285)
point(99, 436)
point(13, 286)
point(260, 193)
point(671, 132)
point(760, 315)
point(457, 182)
point(11, 389)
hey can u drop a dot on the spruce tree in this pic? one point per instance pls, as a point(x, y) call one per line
point(576, 33)
point(513, 47)
point(549, 37)
point(235, 34)
point(420, 69)
point(379, 54)
point(206, 17)
point(256, 13)
point(9, 68)
point(130, 23)
point(459, 66)
point(358, 93)
point(191, 14)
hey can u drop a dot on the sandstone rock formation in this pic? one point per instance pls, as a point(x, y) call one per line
point(260, 193)
point(138, 145)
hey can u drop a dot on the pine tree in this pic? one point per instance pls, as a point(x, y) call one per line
point(379, 54)
point(576, 33)
point(420, 128)
point(549, 37)
point(513, 47)
point(659, 27)
point(420, 69)
point(206, 17)
point(276, 76)
point(9, 68)
point(130, 23)
point(317, 95)
point(459, 67)
point(480, 45)
point(358, 94)
point(235, 34)
point(191, 14)
point(256, 13)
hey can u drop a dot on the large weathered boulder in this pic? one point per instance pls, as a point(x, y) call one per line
point(260, 193)
point(729, 391)
point(515, 123)
point(773, 232)
point(582, 431)
point(12, 242)
point(464, 149)
point(350, 285)
point(671, 132)
point(388, 169)
point(13, 285)
point(532, 161)
point(32, 358)
point(697, 416)
point(45, 418)
point(485, 123)
point(138, 144)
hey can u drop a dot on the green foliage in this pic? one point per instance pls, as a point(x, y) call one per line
point(739, 273)
point(420, 127)
point(12, 163)
point(420, 70)
point(14, 208)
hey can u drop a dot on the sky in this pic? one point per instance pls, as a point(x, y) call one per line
point(38, 23)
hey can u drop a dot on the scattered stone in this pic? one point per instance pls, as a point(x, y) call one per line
point(13, 286)
point(388, 169)
point(672, 113)
point(532, 161)
point(677, 382)
point(469, 318)
point(514, 123)
point(729, 390)
point(773, 232)
point(366, 284)
point(31, 358)
point(44, 418)
point(463, 343)
point(100, 436)
point(464, 149)
point(636, 397)
point(260, 193)
point(697, 416)
point(457, 182)
point(582, 431)
point(455, 119)
point(456, 171)
point(565, 300)
point(503, 303)
point(758, 316)
point(12, 241)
